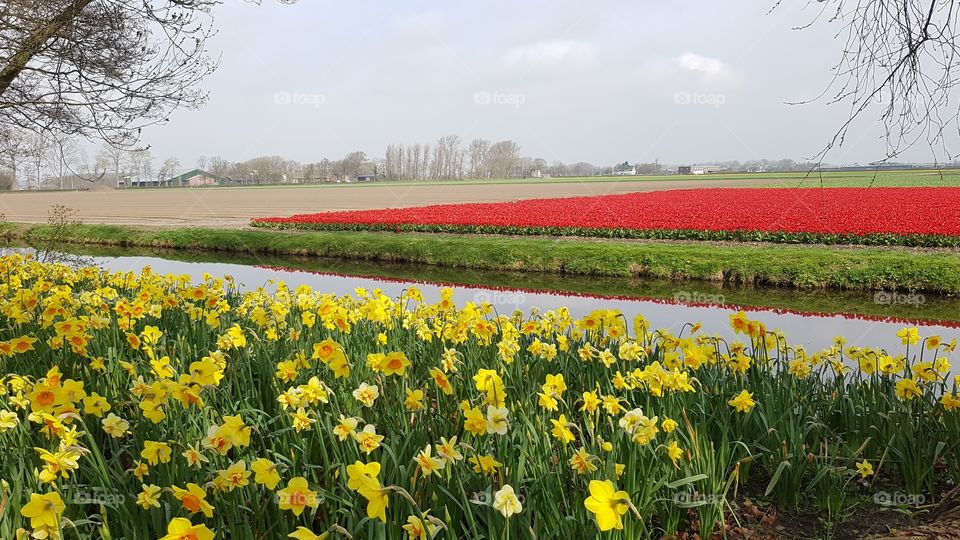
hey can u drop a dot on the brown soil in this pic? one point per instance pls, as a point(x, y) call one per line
point(234, 207)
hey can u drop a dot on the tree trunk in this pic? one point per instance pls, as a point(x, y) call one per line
point(35, 42)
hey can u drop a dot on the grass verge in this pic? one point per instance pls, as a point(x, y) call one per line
point(776, 237)
point(804, 267)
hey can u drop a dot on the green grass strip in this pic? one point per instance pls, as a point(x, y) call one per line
point(804, 267)
point(777, 237)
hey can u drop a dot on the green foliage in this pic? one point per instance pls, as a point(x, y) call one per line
point(804, 267)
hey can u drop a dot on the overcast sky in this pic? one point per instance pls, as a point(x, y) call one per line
point(681, 81)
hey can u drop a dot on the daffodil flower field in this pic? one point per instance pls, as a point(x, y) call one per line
point(146, 406)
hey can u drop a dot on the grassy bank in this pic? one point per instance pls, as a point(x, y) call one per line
point(775, 237)
point(805, 267)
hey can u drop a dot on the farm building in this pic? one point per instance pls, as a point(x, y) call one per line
point(701, 169)
point(625, 169)
point(196, 178)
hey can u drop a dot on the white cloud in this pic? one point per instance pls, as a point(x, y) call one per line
point(550, 54)
point(709, 67)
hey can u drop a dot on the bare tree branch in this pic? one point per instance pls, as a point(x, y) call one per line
point(901, 57)
point(102, 68)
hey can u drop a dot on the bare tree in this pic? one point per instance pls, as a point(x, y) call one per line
point(504, 159)
point(478, 156)
point(453, 156)
point(110, 159)
point(269, 169)
point(324, 169)
point(101, 68)
point(139, 165)
point(424, 166)
point(558, 169)
point(378, 165)
point(437, 163)
point(901, 57)
point(63, 157)
point(167, 168)
point(393, 162)
point(14, 151)
point(37, 147)
point(351, 164)
point(583, 169)
point(413, 161)
point(219, 166)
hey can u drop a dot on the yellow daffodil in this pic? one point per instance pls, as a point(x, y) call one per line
point(297, 496)
point(303, 533)
point(561, 430)
point(366, 394)
point(367, 439)
point(907, 389)
point(265, 473)
point(193, 499)
point(140, 470)
point(149, 496)
point(581, 462)
point(44, 511)
point(485, 464)
point(346, 427)
point(194, 456)
point(183, 529)
point(359, 472)
point(427, 463)
point(474, 421)
point(506, 501)
point(607, 504)
point(233, 477)
point(395, 363)
point(301, 420)
point(591, 402)
point(674, 452)
point(909, 336)
point(156, 452)
point(497, 420)
point(950, 401)
point(418, 529)
point(8, 420)
point(414, 400)
point(742, 402)
point(447, 449)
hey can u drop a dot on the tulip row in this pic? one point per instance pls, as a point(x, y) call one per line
point(869, 216)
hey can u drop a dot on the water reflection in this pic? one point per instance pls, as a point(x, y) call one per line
point(815, 331)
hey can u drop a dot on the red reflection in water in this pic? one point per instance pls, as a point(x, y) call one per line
point(666, 301)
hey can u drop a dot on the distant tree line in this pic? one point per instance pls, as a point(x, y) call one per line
point(32, 161)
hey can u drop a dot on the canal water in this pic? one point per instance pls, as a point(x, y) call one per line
point(810, 318)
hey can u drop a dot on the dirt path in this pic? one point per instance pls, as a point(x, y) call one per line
point(234, 207)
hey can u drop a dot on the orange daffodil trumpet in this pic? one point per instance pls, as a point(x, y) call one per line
point(297, 496)
point(184, 529)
